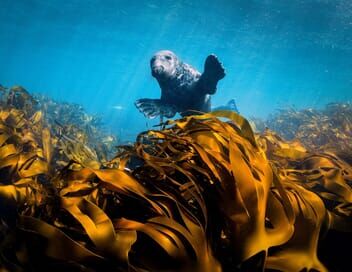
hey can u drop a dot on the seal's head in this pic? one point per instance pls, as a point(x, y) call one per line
point(164, 65)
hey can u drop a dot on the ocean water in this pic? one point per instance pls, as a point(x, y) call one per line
point(96, 53)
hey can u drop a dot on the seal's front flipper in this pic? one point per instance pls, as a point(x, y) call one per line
point(149, 107)
point(213, 72)
point(152, 108)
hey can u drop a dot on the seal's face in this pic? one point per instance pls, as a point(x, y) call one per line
point(164, 64)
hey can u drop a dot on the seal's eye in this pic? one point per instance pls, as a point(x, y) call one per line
point(168, 57)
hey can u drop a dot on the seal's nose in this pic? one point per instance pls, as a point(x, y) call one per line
point(157, 69)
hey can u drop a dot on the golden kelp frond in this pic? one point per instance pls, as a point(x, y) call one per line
point(63, 120)
point(72, 121)
point(322, 173)
point(328, 129)
point(65, 216)
point(258, 210)
point(331, 179)
point(280, 151)
point(202, 194)
point(21, 149)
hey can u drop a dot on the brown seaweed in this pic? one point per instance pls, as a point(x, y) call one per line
point(328, 129)
point(206, 195)
point(64, 120)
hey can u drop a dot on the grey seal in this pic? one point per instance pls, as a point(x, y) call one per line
point(184, 90)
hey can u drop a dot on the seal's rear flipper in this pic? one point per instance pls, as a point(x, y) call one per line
point(232, 105)
point(152, 108)
point(213, 72)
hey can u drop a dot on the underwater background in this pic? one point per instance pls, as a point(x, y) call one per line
point(269, 189)
point(96, 53)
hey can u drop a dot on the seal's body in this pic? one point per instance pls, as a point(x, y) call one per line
point(183, 88)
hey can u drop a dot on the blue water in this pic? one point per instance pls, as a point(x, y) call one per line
point(96, 52)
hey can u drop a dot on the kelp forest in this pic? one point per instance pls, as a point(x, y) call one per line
point(211, 192)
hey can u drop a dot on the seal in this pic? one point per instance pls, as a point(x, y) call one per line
point(184, 90)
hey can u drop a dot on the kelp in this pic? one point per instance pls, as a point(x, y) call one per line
point(64, 119)
point(201, 194)
point(327, 129)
